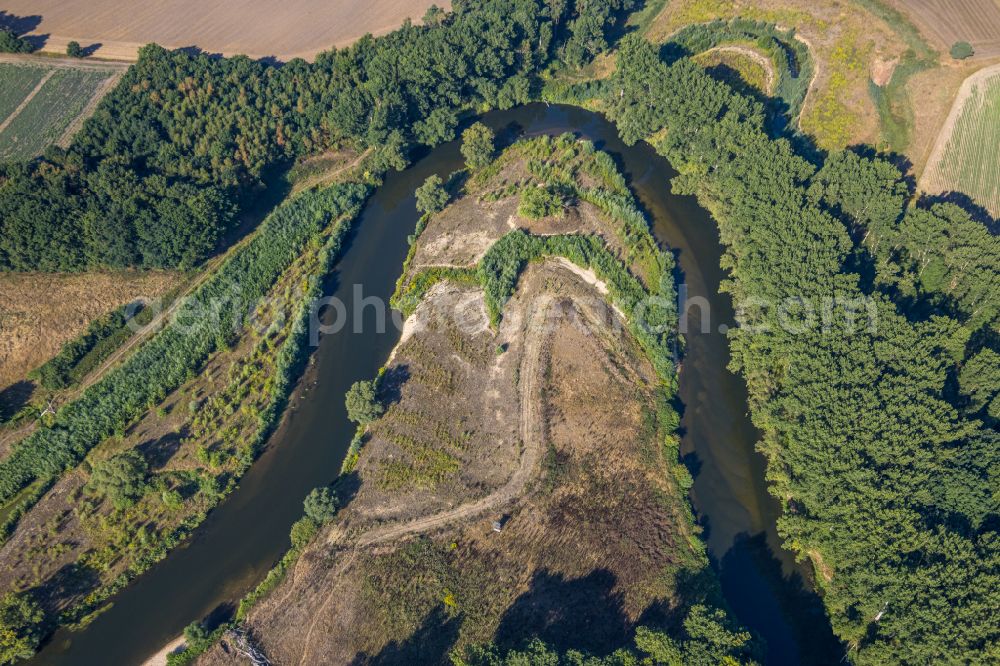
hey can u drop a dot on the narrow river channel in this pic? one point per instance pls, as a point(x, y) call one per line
point(232, 551)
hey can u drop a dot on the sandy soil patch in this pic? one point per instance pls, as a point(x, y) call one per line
point(300, 28)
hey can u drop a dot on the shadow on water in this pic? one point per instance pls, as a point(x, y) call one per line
point(248, 532)
point(781, 608)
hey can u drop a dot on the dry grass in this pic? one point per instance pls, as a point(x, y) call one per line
point(40, 312)
point(259, 28)
point(848, 45)
point(596, 539)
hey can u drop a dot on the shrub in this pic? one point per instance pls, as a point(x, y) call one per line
point(11, 43)
point(303, 530)
point(362, 405)
point(539, 202)
point(120, 478)
point(432, 197)
point(962, 50)
point(321, 504)
point(20, 627)
point(478, 145)
point(74, 50)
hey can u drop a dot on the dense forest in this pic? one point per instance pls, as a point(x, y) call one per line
point(887, 471)
point(156, 176)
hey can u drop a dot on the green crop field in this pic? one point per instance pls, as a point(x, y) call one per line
point(966, 161)
point(47, 115)
point(16, 82)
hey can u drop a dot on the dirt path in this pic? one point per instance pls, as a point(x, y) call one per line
point(531, 375)
point(759, 58)
point(27, 100)
point(61, 63)
point(933, 181)
point(530, 427)
point(811, 90)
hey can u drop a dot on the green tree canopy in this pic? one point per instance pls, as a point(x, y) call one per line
point(962, 50)
point(74, 50)
point(362, 404)
point(540, 201)
point(432, 197)
point(478, 145)
point(11, 43)
point(120, 478)
point(321, 504)
point(21, 620)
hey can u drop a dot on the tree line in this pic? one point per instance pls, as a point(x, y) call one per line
point(889, 479)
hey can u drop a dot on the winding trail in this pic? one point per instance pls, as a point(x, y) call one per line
point(530, 419)
point(531, 431)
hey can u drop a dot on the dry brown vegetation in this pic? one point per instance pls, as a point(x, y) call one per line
point(302, 28)
point(39, 312)
point(596, 537)
point(848, 45)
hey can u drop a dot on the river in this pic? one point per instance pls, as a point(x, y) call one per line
point(232, 551)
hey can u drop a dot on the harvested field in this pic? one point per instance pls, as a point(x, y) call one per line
point(965, 155)
point(936, 89)
point(44, 103)
point(950, 21)
point(40, 312)
point(117, 29)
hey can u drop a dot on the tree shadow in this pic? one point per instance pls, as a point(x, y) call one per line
point(72, 581)
point(18, 24)
point(14, 398)
point(429, 644)
point(346, 488)
point(158, 452)
point(966, 203)
point(391, 385)
point(91, 50)
point(582, 613)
